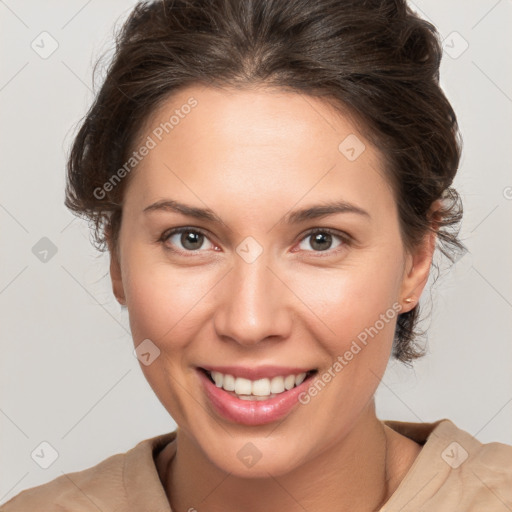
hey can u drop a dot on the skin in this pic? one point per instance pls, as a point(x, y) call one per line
point(252, 156)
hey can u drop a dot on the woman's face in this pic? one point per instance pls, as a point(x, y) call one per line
point(249, 285)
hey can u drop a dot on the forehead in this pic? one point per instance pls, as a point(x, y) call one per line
point(256, 144)
point(254, 117)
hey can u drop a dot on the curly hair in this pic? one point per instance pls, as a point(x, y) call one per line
point(375, 59)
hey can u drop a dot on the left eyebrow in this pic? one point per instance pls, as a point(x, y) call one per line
point(323, 210)
point(185, 209)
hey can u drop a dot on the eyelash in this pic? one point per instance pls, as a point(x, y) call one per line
point(345, 238)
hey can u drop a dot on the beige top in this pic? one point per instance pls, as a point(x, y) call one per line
point(453, 472)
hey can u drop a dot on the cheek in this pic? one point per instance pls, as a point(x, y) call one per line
point(163, 299)
point(163, 303)
point(347, 300)
point(354, 338)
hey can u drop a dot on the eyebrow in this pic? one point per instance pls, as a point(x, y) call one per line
point(295, 217)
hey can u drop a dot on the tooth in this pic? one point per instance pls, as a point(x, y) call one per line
point(277, 385)
point(261, 387)
point(300, 378)
point(218, 378)
point(229, 383)
point(289, 382)
point(253, 398)
point(243, 386)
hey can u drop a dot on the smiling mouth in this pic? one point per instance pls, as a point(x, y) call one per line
point(260, 389)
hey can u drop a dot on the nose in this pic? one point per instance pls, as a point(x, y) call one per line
point(254, 303)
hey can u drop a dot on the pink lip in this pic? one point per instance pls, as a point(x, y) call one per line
point(260, 372)
point(251, 412)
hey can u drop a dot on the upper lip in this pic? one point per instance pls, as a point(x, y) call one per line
point(259, 372)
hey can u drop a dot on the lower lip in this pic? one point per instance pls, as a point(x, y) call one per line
point(251, 412)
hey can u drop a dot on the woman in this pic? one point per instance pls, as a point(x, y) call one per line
point(271, 180)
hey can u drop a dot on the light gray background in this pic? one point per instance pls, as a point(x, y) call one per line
point(68, 374)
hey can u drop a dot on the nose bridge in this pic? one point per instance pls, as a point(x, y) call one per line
point(253, 305)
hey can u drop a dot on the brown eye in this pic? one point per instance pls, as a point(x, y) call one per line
point(191, 240)
point(321, 240)
point(185, 239)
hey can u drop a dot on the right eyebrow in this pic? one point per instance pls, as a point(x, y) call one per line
point(185, 209)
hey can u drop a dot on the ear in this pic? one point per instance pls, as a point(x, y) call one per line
point(419, 262)
point(115, 272)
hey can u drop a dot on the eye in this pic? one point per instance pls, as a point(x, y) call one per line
point(191, 239)
point(321, 240)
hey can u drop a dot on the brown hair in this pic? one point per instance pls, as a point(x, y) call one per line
point(375, 59)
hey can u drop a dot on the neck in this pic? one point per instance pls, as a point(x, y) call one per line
point(354, 474)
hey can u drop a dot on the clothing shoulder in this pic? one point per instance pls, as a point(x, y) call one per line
point(483, 470)
point(454, 471)
point(96, 488)
point(464, 447)
point(123, 482)
point(477, 476)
